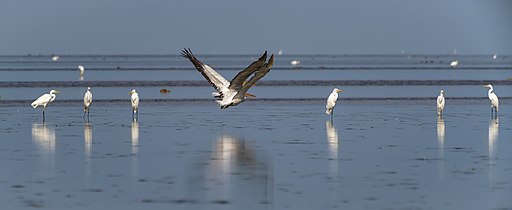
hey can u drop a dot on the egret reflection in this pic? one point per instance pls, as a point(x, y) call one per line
point(493, 136)
point(135, 137)
point(44, 138)
point(88, 140)
point(332, 140)
point(234, 166)
point(440, 132)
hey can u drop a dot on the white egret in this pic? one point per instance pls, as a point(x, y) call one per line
point(494, 100)
point(234, 92)
point(331, 101)
point(454, 63)
point(494, 56)
point(295, 62)
point(55, 58)
point(135, 103)
point(44, 100)
point(81, 69)
point(87, 102)
point(440, 103)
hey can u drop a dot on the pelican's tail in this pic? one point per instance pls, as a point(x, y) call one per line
point(328, 111)
point(34, 104)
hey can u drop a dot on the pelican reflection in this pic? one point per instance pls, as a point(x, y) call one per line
point(332, 140)
point(236, 167)
point(44, 138)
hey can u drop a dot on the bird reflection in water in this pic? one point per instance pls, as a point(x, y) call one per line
point(332, 140)
point(493, 143)
point(236, 172)
point(440, 143)
point(87, 147)
point(44, 138)
point(135, 137)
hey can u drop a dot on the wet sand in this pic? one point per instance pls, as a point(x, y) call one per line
point(259, 155)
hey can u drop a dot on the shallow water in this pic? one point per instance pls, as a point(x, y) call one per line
point(385, 148)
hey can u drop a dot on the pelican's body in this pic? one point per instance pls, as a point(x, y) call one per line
point(494, 100)
point(234, 92)
point(44, 100)
point(440, 103)
point(135, 103)
point(87, 101)
point(331, 101)
point(454, 63)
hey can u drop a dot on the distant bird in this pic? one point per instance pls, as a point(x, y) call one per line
point(331, 101)
point(135, 103)
point(44, 100)
point(454, 63)
point(234, 92)
point(494, 100)
point(494, 56)
point(295, 62)
point(82, 70)
point(165, 91)
point(55, 58)
point(440, 103)
point(87, 102)
point(280, 52)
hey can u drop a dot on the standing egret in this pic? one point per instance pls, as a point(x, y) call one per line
point(494, 100)
point(440, 103)
point(295, 62)
point(87, 102)
point(44, 100)
point(454, 63)
point(81, 69)
point(234, 92)
point(331, 101)
point(135, 104)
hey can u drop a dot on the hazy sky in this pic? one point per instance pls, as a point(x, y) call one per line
point(238, 26)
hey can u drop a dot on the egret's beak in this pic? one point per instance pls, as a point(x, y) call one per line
point(250, 95)
point(484, 86)
point(56, 91)
point(131, 92)
point(339, 91)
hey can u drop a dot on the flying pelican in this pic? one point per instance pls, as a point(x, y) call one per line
point(331, 101)
point(234, 92)
point(440, 103)
point(135, 104)
point(44, 100)
point(87, 102)
point(454, 63)
point(494, 100)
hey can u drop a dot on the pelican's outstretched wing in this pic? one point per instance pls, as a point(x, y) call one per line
point(257, 76)
point(240, 78)
point(219, 83)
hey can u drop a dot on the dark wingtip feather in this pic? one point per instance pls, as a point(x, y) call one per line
point(270, 61)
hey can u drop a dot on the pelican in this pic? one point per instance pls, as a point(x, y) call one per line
point(234, 92)
point(454, 63)
point(44, 100)
point(87, 102)
point(331, 101)
point(494, 100)
point(440, 103)
point(135, 104)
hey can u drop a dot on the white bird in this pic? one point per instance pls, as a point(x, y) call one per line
point(55, 58)
point(44, 100)
point(494, 100)
point(87, 102)
point(135, 104)
point(440, 103)
point(331, 101)
point(295, 62)
point(494, 56)
point(454, 63)
point(234, 92)
point(81, 69)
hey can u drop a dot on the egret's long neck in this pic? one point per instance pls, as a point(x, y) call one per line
point(490, 90)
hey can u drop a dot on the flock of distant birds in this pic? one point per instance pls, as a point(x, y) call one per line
point(234, 92)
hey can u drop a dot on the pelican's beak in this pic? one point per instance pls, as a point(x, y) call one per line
point(339, 91)
point(250, 95)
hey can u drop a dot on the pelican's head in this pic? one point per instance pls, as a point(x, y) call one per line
point(337, 90)
point(54, 91)
point(132, 92)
